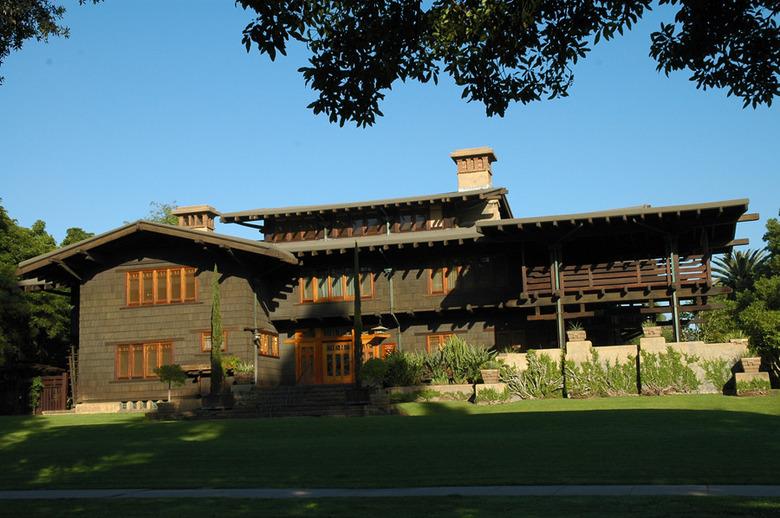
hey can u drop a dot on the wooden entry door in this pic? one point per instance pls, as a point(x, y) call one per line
point(308, 366)
point(337, 362)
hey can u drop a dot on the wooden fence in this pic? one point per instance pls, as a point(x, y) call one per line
point(55, 393)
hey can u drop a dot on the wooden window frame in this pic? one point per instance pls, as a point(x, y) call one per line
point(207, 334)
point(445, 279)
point(184, 298)
point(147, 373)
point(272, 345)
point(344, 280)
point(437, 339)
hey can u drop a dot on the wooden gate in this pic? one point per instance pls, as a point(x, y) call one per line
point(55, 392)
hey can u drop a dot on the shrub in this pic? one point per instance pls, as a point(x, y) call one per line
point(242, 367)
point(668, 373)
point(717, 372)
point(403, 369)
point(458, 362)
point(230, 363)
point(600, 379)
point(754, 386)
point(492, 396)
point(36, 388)
point(542, 378)
point(373, 372)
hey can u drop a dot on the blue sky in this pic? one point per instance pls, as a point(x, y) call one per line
point(158, 101)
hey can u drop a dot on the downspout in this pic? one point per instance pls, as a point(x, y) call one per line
point(254, 333)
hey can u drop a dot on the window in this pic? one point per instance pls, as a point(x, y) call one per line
point(412, 222)
point(205, 341)
point(138, 361)
point(161, 286)
point(436, 341)
point(371, 351)
point(335, 286)
point(268, 344)
point(443, 280)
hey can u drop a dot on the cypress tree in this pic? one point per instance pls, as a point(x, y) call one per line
point(216, 335)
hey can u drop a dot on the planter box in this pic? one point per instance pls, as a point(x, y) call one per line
point(751, 364)
point(652, 331)
point(490, 375)
point(578, 335)
point(244, 378)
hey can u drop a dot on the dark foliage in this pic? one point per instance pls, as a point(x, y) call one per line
point(502, 51)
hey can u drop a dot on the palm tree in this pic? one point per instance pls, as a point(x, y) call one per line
point(739, 270)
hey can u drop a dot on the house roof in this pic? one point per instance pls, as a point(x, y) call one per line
point(382, 241)
point(302, 210)
point(32, 266)
point(720, 216)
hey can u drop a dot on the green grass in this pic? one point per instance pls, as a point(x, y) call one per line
point(601, 507)
point(651, 440)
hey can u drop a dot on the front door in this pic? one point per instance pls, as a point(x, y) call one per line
point(308, 372)
point(337, 361)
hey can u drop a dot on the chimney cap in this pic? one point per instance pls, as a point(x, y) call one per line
point(474, 152)
point(192, 209)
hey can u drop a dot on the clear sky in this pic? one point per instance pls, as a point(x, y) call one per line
point(158, 101)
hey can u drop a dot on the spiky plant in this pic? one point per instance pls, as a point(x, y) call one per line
point(740, 270)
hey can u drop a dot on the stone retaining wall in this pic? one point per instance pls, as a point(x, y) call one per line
point(580, 352)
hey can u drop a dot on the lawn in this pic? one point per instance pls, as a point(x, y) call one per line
point(596, 507)
point(652, 440)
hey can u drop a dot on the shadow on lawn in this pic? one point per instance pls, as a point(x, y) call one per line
point(448, 447)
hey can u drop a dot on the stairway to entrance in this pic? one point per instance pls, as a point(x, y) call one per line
point(296, 401)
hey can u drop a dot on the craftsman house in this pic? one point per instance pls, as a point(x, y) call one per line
point(458, 263)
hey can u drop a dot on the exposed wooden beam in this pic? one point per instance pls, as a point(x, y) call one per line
point(753, 216)
point(68, 269)
point(739, 242)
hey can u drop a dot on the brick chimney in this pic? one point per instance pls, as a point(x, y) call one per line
point(474, 169)
point(196, 217)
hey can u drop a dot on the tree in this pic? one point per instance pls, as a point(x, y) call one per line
point(162, 213)
point(74, 235)
point(772, 238)
point(21, 20)
point(759, 316)
point(172, 374)
point(504, 51)
point(740, 270)
point(34, 326)
point(216, 335)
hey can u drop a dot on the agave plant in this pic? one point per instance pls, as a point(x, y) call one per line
point(740, 270)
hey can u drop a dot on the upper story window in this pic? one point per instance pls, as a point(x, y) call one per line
point(443, 280)
point(161, 286)
point(412, 222)
point(335, 286)
point(138, 361)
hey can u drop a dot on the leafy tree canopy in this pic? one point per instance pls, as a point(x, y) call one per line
point(21, 20)
point(162, 213)
point(498, 51)
point(34, 326)
point(504, 51)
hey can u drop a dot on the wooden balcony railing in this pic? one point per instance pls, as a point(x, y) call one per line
point(635, 274)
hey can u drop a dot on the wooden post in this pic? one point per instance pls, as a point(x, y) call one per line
point(358, 321)
point(673, 271)
point(555, 272)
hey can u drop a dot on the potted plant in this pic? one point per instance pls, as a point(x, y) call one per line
point(651, 330)
point(576, 332)
point(751, 364)
point(243, 373)
point(490, 371)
